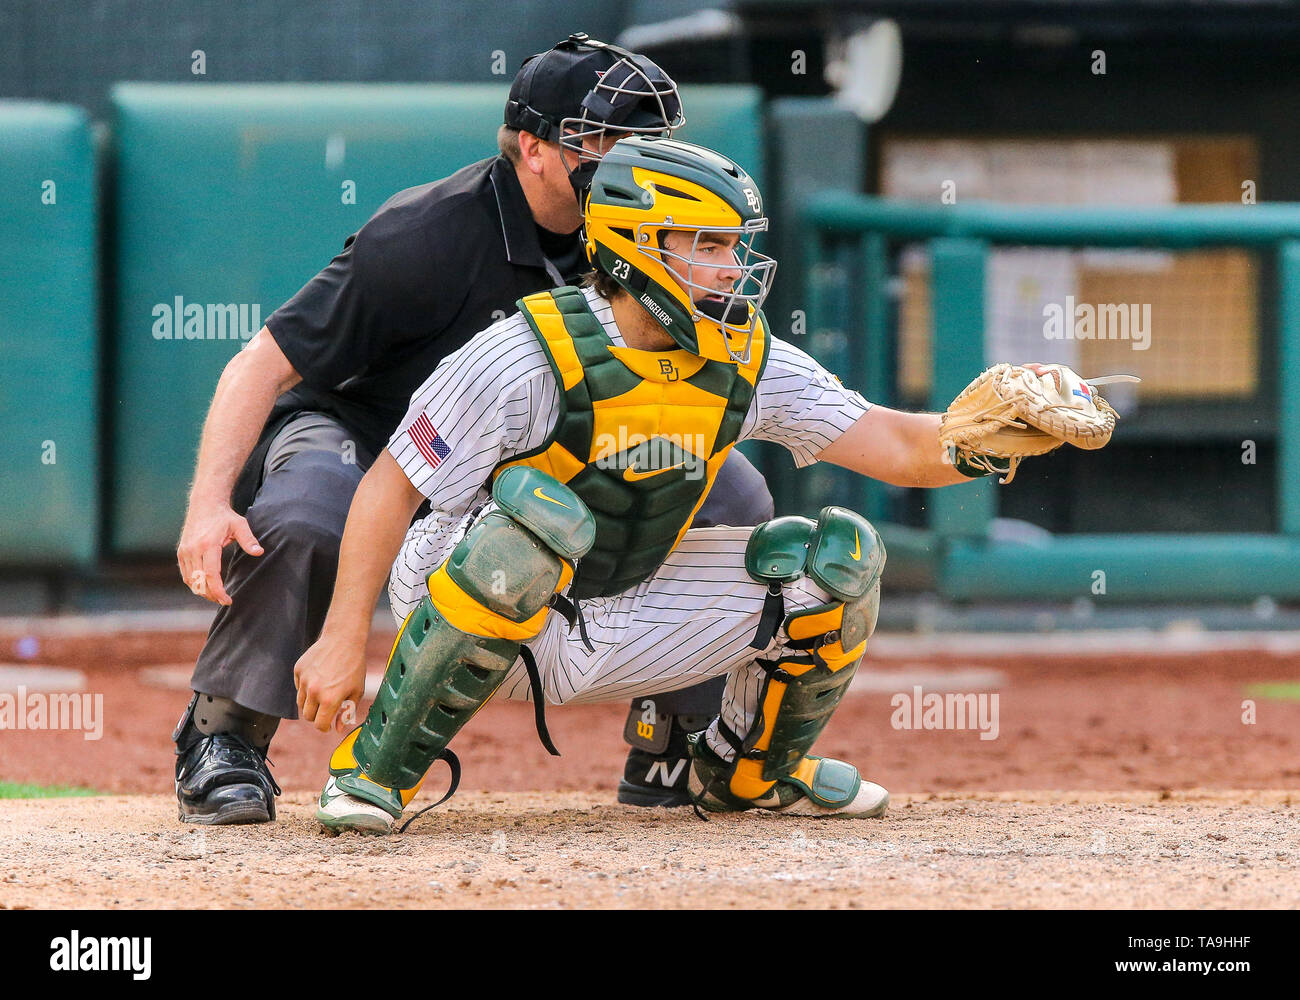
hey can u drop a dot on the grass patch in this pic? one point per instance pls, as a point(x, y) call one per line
point(1275, 690)
point(13, 790)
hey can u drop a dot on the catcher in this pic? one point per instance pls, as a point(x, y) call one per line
point(565, 451)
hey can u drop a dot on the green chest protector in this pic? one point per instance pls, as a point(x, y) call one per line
point(640, 436)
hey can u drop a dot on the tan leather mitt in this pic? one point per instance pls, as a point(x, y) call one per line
point(1013, 412)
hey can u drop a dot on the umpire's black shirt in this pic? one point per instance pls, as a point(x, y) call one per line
point(434, 266)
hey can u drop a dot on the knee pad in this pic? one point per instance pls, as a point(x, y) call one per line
point(843, 554)
point(454, 650)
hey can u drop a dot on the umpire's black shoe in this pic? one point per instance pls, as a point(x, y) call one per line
point(222, 780)
point(649, 780)
point(659, 762)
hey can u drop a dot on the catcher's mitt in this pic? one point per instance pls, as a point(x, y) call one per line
point(1012, 412)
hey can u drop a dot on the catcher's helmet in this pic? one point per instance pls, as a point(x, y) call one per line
point(583, 88)
point(646, 187)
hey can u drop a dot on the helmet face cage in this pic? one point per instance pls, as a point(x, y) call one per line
point(624, 87)
point(736, 312)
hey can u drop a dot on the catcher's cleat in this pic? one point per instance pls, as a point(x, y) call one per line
point(221, 781)
point(821, 787)
point(353, 801)
point(339, 812)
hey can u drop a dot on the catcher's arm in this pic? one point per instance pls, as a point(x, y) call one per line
point(333, 669)
point(898, 448)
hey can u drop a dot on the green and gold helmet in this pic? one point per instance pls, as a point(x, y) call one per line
point(646, 187)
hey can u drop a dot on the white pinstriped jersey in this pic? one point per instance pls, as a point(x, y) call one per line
point(496, 398)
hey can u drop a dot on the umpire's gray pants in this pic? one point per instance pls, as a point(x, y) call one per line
point(279, 599)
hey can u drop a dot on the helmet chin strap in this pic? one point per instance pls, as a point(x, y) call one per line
point(732, 312)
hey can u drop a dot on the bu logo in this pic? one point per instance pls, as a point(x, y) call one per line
point(669, 777)
point(751, 196)
point(666, 367)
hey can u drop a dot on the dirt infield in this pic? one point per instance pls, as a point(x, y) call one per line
point(1188, 850)
point(1154, 781)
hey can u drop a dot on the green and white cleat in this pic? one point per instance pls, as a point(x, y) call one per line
point(868, 802)
point(339, 812)
point(820, 787)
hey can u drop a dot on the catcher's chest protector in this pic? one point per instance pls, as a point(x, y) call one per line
point(640, 438)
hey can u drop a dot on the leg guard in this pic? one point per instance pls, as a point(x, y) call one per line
point(843, 554)
point(455, 648)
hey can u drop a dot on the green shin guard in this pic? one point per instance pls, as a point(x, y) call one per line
point(488, 598)
point(436, 679)
point(842, 553)
point(805, 708)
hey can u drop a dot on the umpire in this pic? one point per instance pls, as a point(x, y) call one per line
point(302, 411)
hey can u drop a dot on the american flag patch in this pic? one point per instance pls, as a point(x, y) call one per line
point(425, 437)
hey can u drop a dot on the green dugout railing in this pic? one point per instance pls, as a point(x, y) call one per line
point(1135, 566)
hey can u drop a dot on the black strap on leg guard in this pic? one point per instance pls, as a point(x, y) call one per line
point(773, 613)
point(734, 739)
point(539, 700)
point(774, 670)
point(814, 646)
point(582, 628)
point(571, 612)
point(564, 607)
point(453, 764)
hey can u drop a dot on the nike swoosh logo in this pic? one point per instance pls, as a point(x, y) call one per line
point(632, 475)
point(539, 494)
point(857, 552)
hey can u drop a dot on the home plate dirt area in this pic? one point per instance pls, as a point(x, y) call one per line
point(1122, 779)
point(573, 849)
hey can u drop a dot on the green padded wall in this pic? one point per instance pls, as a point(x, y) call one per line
point(231, 195)
point(815, 145)
point(728, 118)
point(48, 300)
point(235, 195)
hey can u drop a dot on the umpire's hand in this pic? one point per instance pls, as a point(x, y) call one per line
point(208, 529)
point(331, 673)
